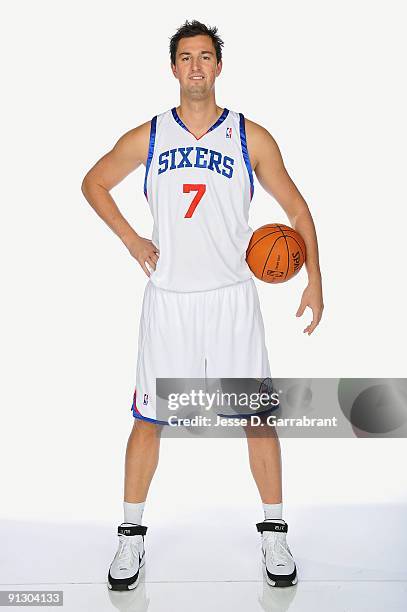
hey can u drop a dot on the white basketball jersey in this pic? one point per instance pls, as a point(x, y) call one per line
point(199, 192)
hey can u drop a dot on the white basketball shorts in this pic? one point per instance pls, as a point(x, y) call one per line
point(201, 334)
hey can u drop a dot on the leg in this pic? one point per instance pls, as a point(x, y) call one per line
point(141, 462)
point(265, 462)
point(142, 455)
point(237, 349)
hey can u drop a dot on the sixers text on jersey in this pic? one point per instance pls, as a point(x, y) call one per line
point(196, 157)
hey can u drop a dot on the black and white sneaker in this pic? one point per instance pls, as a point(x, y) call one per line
point(278, 561)
point(124, 571)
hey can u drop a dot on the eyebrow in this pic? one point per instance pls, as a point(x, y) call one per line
point(189, 52)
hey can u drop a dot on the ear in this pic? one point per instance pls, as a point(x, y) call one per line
point(174, 70)
point(219, 68)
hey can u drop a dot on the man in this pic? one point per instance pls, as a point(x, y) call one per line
point(200, 301)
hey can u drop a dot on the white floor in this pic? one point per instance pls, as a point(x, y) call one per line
point(349, 559)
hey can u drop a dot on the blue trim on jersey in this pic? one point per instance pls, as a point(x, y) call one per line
point(220, 120)
point(245, 153)
point(178, 120)
point(215, 125)
point(153, 130)
point(247, 416)
point(143, 418)
point(139, 416)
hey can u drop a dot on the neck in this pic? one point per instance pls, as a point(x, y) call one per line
point(198, 115)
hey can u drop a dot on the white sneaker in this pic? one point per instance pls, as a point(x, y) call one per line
point(124, 571)
point(278, 561)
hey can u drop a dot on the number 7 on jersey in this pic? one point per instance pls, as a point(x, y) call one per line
point(200, 189)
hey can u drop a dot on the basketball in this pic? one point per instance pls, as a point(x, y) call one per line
point(275, 253)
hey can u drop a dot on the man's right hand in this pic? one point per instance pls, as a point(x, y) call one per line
point(144, 251)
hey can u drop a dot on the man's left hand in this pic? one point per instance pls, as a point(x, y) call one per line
point(312, 297)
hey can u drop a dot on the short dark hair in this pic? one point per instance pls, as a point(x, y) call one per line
point(196, 28)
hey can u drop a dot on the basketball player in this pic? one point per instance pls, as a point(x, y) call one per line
point(200, 301)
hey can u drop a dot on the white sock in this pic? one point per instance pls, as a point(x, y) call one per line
point(273, 511)
point(133, 513)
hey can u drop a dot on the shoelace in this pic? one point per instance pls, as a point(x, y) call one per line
point(276, 546)
point(125, 553)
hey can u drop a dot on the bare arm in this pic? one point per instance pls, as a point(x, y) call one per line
point(269, 167)
point(129, 153)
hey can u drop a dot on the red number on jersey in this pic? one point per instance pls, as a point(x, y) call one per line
point(200, 189)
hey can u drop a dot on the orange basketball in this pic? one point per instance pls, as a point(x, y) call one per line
point(275, 253)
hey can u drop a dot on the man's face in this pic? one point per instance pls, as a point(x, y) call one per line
point(196, 57)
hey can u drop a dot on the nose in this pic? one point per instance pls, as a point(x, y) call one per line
point(196, 63)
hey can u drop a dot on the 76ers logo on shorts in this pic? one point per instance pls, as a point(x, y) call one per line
point(229, 132)
point(145, 400)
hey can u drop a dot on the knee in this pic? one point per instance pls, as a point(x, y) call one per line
point(146, 430)
point(257, 432)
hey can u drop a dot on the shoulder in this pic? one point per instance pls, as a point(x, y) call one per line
point(138, 133)
point(135, 142)
point(259, 141)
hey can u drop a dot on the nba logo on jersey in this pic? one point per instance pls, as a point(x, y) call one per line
point(145, 400)
point(229, 132)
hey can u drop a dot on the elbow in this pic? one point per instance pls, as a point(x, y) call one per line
point(85, 185)
point(89, 184)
